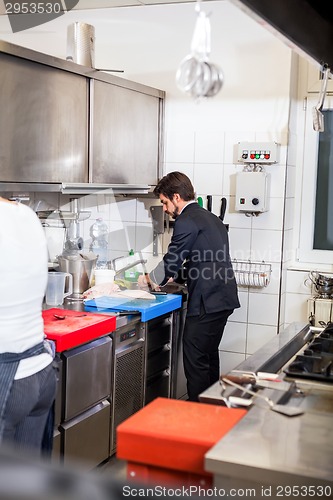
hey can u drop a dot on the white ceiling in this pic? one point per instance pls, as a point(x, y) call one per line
point(148, 42)
point(106, 4)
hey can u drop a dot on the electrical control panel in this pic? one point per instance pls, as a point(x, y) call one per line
point(263, 153)
point(252, 191)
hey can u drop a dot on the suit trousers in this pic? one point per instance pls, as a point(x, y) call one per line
point(201, 339)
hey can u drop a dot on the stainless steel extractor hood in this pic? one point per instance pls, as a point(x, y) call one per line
point(75, 188)
point(305, 24)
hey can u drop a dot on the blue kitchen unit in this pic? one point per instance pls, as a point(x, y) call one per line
point(149, 309)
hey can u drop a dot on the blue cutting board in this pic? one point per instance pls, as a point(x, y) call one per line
point(149, 308)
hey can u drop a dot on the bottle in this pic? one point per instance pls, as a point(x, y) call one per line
point(131, 274)
point(99, 242)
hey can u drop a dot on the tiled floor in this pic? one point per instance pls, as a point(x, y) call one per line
point(113, 469)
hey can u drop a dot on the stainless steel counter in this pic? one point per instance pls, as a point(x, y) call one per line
point(270, 450)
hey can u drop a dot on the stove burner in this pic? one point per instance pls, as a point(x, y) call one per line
point(316, 361)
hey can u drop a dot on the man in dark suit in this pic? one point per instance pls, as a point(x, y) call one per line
point(200, 243)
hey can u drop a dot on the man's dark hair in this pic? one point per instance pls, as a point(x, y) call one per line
point(175, 182)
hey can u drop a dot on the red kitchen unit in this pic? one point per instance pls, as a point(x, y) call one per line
point(165, 442)
point(76, 328)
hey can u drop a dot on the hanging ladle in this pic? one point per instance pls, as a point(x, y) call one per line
point(289, 411)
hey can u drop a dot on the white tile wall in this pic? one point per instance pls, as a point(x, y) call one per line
point(289, 214)
point(143, 209)
point(296, 282)
point(230, 360)
point(291, 181)
point(259, 335)
point(234, 337)
point(229, 177)
point(208, 178)
point(296, 308)
point(240, 315)
point(263, 309)
point(240, 243)
point(209, 147)
point(278, 178)
point(266, 245)
point(273, 219)
point(186, 168)
point(179, 146)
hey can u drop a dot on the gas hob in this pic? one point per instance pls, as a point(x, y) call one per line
point(315, 362)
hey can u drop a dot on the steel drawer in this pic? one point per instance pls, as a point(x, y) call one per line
point(85, 439)
point(158, 387)
point(87, 376)
point(158, 361)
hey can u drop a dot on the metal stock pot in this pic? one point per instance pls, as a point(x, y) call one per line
point(323, 284)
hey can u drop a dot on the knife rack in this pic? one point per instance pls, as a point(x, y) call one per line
point(253, 274)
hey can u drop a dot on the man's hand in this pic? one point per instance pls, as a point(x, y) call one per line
point(145, 283)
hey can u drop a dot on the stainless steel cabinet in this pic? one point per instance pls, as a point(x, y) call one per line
point(83, 433)
point(43, 123)
point(128, 375)
point(125, 137)
point(87, 373)
point(158, 357)
point(85, 438)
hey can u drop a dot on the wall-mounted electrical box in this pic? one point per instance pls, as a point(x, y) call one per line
point(264, 153)
point(252, 191)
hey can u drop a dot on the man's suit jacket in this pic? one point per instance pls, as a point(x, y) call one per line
point(200, 240)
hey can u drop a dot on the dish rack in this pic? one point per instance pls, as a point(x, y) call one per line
point(256, 274)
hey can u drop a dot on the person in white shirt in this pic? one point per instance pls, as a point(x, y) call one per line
point(27, 376)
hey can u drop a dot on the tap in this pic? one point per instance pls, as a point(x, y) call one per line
point(129, 266)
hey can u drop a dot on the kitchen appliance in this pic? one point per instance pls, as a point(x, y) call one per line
point(55, 238)
point(320, 305)
point(81, 266)
point(82, 407)
point(315, 361)
point(127, 374)
point(158, 357)
point(320, 311)
point(252, 191)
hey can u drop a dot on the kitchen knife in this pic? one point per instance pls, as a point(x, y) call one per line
point(209, 202)
point(223, 208)
point(127, 313)
point(244, 378)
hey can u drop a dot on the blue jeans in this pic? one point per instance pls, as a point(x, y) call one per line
point(27, 409)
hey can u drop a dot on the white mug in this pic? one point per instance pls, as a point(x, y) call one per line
point(56, 288)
